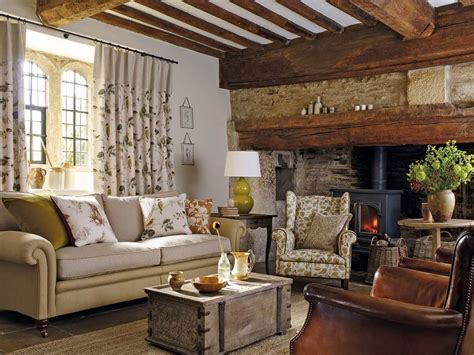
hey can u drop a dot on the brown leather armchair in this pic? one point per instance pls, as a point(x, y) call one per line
point(441, 265)
point(408, 312)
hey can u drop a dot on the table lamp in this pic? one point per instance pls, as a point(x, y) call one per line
point(242, 164)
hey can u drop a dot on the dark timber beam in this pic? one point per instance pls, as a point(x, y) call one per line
point(61, 12)
point(273, 17)
point(314, 16)
point(358, 51)
point(466, 2)
point(410, 18)
point(238, 21)
point(347, 7)
point(183, 16)
point(156, 33)
point(175, 29)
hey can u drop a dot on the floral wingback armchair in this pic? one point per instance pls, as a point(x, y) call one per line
point(292, 260)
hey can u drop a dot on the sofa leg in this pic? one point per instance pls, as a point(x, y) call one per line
point(345, 284)
point(42, 326)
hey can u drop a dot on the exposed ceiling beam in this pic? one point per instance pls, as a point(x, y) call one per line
point(238, 21)
point(273, 17)
point(173, 28)
point(314, 16)
point(156, 33)
point(358, 51)
point(347, 7)
point(410, 18)
point(61, 12)
point(466, 2)
point(183, 16)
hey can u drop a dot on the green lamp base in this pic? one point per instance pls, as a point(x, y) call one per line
point(242, 199)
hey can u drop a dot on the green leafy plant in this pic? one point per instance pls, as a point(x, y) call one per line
point(444, 168)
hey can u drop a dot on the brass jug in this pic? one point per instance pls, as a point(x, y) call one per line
point(243, 264)
point(36, 178)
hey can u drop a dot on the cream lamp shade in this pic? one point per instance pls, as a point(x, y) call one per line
point(242, 164)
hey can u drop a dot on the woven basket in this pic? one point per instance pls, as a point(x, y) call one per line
point(384, 255)
point(424, 246)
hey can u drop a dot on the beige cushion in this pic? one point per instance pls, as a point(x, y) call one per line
point(125, 215)
point(324, 231)
point(98, 259)
point(312, 256)
point(177, 248)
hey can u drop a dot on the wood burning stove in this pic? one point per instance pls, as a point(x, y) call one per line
point(375, 211)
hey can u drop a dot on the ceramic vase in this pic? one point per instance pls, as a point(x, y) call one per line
point(441, 204)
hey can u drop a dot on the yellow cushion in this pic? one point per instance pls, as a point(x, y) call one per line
point(37, 215)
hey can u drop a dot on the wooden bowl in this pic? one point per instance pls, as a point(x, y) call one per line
point(207, 284)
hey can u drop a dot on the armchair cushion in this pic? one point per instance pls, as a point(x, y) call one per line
point(313, 256)
point(324, 231)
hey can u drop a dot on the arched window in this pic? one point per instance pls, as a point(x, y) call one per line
point(74, 118)
point(35, 111)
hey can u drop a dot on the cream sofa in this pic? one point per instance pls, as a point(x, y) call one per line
point(43, 283)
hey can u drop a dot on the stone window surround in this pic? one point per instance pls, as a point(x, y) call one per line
point(54, 66)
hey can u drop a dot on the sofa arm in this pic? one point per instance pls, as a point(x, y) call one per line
point(22, 248)
point(28, 272)
point(284, 239)
point(444, 255)
point(410, 286)
point(232, 229)
point(386, 309)
point(430, 266)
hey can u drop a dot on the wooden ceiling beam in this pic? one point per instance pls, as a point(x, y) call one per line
point(314, 16)
point(191, 20)
point(347, 7)
point(273, 17)
point(238, 21)
point(61, 12)
point(358, 51)
point(173, 28)
point(410, 18)
point(156, 33)
point(466, 2)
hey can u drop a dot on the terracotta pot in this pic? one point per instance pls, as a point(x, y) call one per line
point(441, 204)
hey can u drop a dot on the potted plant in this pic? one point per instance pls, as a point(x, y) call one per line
point(442, 170)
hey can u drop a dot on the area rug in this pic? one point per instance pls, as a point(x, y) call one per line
point(129, 339)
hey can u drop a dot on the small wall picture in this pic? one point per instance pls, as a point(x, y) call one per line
point(186, 115)
point(187, 151)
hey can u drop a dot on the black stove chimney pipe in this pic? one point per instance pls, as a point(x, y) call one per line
point(379, 168)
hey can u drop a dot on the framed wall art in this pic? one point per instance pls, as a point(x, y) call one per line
point(186, 115)
point(187, 151)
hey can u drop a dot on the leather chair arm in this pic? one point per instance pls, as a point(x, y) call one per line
point(410, 286)
point(385, 309)
point(444, 255)
point(284, 239)
point(432, 267)
point(232, 229)
point(22, 248)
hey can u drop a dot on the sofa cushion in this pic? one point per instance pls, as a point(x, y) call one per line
point(313, 256)
point(179, 248)
point(98, 259)
point(7, 222)
point(125, 215)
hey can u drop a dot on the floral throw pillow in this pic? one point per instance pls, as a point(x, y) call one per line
point(199, 215)
point(164, 216)
point(324, 231)
point(86, 219)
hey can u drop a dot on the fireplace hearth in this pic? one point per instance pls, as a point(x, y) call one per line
point(375, 211)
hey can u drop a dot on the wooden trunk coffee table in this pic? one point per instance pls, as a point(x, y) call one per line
point(240, 314)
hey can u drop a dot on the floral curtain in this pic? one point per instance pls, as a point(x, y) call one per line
point(13, 166)
point(133, 149)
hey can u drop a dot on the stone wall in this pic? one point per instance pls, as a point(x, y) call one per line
point(319, 170)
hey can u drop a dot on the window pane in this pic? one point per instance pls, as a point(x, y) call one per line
point(41, 99)
point(37, 128)
point(36, 116)
point(36, 156)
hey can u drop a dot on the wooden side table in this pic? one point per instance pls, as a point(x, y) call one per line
point(435, 227)
point(254, 221)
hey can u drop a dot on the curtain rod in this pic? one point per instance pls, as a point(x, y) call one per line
point(66, 35)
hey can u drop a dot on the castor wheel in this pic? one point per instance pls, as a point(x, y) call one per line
point(44, 333)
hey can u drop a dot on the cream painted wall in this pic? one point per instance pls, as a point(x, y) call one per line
point(196, 77)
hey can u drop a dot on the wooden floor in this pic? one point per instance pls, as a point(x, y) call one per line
point(18, 331)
